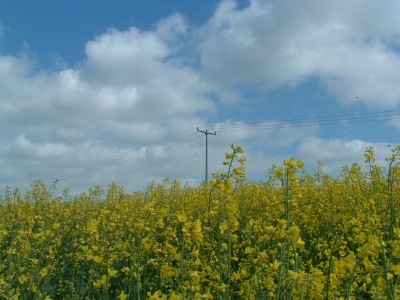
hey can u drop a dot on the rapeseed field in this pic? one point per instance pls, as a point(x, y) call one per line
point(292, 236)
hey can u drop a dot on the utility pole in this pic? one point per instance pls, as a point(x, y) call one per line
point(206, 133)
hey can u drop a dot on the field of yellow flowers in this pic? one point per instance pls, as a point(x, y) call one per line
point(292, 236)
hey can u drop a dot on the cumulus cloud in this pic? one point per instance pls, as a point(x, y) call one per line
point(136, 64)
point(126, 78)
point(272, 134)
point(172, 28)
point(230, 96)
point(350, 47)
point(336, 153)
point(129, 91)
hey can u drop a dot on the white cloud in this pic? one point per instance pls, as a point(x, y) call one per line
point(350, 46)
point(126, 94)
point(12, 66)
point(171, 28)
point(137, 63)
point(336, 153)
point(126, 78)
point(230, 96)
point(84, 165)
point(120, 58)
point(272, 134)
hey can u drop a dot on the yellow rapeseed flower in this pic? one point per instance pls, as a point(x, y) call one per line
point(182, 217)
point(123, 296)
point(275, 265)
point(299, 243)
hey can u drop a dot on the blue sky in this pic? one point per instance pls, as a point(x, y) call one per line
point(93, 92)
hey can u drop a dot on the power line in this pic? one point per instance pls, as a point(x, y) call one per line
point(322, 121)
point(288, 125)
point(132, 158)
point(156, 146)
point(119, 158)
point(315, 119)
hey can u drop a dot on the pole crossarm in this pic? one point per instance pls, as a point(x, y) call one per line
point(206, 133)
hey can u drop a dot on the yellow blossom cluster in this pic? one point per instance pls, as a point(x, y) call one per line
point(293, 236)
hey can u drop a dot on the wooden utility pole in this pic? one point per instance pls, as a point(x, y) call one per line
point(206, 133)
